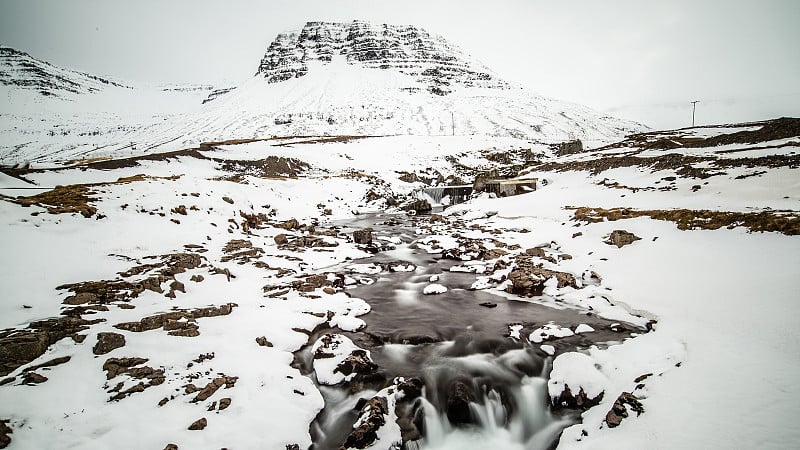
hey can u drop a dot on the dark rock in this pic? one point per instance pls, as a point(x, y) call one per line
point(281, 240)
point(579, 401)
point(357, 362)
point(51, 363)
point(199, 424)
point(171, 447)
point(488, 305)
point(420, 205)
point(33, 378)
point(411, 388)
point(107, 342)
point(619, 411)
point(363, 236)
point(224, 403)
point(459, 396)
point(228, 200)
point(197, 278)
point(291, 224)
point(5, 430)
point(621, 238)
point(19, 347)
point(262, 341)
point(372, 417)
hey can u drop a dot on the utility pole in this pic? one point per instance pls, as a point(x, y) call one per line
point(694, 105)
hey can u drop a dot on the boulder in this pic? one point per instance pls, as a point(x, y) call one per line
point(459, 396)
point(621, 238)
point(363, 236)
point(107, 342)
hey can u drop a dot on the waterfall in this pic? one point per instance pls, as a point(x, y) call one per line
point(435, 193)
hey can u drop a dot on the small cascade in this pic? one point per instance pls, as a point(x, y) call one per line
point(507, 409)
point(435, 193)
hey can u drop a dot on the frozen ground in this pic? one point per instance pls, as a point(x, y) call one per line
point(213, 228)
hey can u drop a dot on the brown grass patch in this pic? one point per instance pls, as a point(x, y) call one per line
point(784, 222)
point(75, 198)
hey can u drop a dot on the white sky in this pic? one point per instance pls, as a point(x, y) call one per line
point(639, 59)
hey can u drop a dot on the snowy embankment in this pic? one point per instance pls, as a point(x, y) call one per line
point(718, 371)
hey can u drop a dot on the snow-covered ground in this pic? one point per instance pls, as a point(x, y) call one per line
point(721, 354)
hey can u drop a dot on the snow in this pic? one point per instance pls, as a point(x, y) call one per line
point(340, 347)
point(579, 372)
point(549, 331)
point(434, 288)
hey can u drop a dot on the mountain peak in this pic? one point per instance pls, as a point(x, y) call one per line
point(429, 58)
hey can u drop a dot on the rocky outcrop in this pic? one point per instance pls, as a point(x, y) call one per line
point(428, 58)
point(177, 323)
point(619, 411)
point(528, 278)
point(19, 347)
point(372, 418)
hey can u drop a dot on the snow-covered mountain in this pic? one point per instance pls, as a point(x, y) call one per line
point(22, 71)
point(327, 79)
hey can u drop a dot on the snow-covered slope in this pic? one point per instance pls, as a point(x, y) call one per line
point(22, 71)
point(327, 79)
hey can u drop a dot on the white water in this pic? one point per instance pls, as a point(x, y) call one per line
point(529, 427)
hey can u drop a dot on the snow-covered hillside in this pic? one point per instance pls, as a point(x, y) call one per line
point(327, 79)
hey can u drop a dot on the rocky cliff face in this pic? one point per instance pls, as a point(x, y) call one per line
point(413, 51)
point(21, 70)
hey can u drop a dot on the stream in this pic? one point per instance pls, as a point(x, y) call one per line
point(454, 342)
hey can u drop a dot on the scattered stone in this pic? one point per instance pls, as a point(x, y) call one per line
point(171, 447)
point(281, 240)
point(488, 305)
point(262, 341)
point(197, 278)
point(213, 386)
point(621, 238)
point(228, 200)
point(619, 411)
point(199, 424)
point(179, 210)
point(107, 342)
point(224, 403)
point(574, 235)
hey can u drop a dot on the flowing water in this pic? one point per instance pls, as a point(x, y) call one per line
point(451, 343)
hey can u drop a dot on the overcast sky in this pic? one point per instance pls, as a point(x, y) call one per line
point(641, 59)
